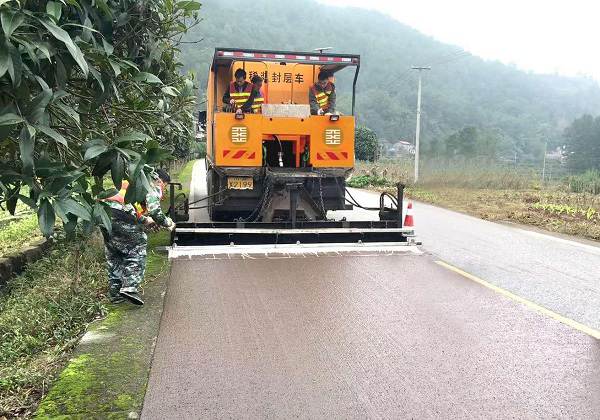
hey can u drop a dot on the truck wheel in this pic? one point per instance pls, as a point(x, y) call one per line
point(210, 189)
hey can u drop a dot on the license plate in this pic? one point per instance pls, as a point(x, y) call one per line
point(240, 183)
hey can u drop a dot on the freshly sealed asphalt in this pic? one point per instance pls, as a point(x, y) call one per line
point(382, 336)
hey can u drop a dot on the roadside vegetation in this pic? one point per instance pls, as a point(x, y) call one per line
point(45, 310)
point(500, 194)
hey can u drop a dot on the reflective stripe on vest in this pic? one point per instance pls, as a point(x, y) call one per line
point(323, 96)
point(120, 196)
point(240, 98)
point(256, 104)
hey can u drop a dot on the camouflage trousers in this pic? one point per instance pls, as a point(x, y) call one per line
point(125, 250)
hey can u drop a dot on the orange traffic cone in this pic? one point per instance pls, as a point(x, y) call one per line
point(408, 219)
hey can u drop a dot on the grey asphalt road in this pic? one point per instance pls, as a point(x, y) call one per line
point(377, 336)
point(359, 337)
point(561, 274)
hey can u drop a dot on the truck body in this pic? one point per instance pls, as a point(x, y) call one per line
point(259, 163)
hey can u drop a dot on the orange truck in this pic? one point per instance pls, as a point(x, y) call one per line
point(281, 163)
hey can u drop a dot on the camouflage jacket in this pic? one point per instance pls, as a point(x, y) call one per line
point(151, 209)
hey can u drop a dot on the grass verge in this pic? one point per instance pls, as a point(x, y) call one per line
point(42, 314)
point(45, 311)
point(568, 213)
point(495, 194)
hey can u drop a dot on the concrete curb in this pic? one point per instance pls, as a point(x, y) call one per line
point(14, 264)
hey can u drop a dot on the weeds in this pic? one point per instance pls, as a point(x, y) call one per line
point(363, 181)
point(18, 234)
point(588, 182)
point(42, 312)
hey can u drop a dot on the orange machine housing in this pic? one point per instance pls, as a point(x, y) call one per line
point(232, 142)
point(255, 159)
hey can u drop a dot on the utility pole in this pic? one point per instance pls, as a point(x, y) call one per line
point(418, 130)
point(544, 166)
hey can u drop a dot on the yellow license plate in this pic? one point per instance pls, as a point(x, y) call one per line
point(240, 183)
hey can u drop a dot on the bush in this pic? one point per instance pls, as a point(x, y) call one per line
point(588, 182)
point(363, 181)
point(365, 144)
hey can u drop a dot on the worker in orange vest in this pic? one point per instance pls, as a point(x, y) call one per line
point(125, 246)
point(257, 95)
point(238, 97)
point(321, 96)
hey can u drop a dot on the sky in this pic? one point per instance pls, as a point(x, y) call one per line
point(551, 36)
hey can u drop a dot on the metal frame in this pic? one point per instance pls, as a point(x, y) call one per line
point(335, 66)
point(278, 233)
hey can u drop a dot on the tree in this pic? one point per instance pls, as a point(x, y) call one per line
point(582, 144)
point(86, 89)
point(365, 144)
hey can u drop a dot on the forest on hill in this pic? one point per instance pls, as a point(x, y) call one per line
point(514, 112)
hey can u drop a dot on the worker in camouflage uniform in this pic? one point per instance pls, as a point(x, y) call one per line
point(125, 246)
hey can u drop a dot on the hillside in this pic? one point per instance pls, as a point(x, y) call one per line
point(461, 90)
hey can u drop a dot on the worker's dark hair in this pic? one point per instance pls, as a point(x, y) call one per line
point(325, 74)
point(240, 73)
point(163, 175)
point(256, 79)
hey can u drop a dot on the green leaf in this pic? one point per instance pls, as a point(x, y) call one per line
point(157, 155)
point(63, 36)
point(104, 163)
point(26, 144)
point(70, 112)
point(107, 47)
point(10, 119)
point(132, 136)
point(169, 90)
point(117, 171)
point(147, 77)
point(4, 59)
point(27, 200)
point(11, 21)
point(98, 77)
point(101, 212)
point(108, 193)
point(43, 47)
point(54, 9)
point(93, 151)
point(56, 136)
point(188, 6)
point(46, 217)
point(11, 203)
point(71, 206)
point(38, 105)
point(15, 66)
point(115, 66)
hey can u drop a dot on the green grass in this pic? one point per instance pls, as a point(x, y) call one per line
point(588, 182)
point(444, 174)
point(364, 181)
point(42, 312)
point(18, 234)
point(45, 310)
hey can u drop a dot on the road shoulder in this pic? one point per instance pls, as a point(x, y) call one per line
point(108, 372)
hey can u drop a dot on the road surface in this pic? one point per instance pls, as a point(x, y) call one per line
point(384, 336)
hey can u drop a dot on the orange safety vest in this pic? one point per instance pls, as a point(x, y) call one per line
point(140, 208)
point(323, 96)
point(240, 98)
point(257, 104)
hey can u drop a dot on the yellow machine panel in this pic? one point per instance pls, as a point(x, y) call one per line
point(239, 142)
